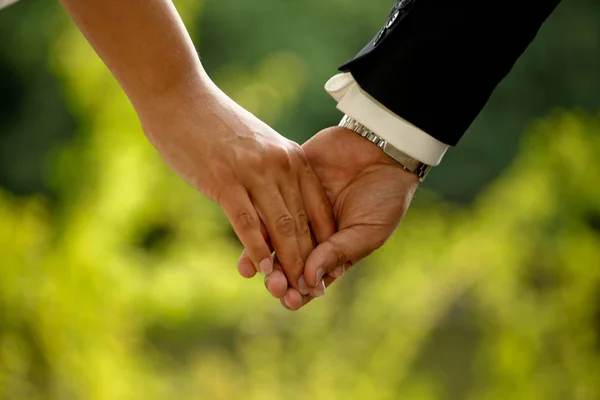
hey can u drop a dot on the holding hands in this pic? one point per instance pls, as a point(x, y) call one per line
point(320, 208)
point(262, 181)
point(369, 192)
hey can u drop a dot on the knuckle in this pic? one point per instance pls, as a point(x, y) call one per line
point(283, 158)
point(223, 192)
point(253, 158)
point(285, 225)
point(303, 223)
point(245, 220)
point(285, 161)
point(254, 161)
point(216, 194)
point(298, 154)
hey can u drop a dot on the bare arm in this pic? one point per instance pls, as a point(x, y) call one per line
point(256, 175)
point(144, 43)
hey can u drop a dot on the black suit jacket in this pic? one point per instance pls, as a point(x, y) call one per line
point(435, 63)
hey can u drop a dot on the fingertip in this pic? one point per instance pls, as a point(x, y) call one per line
point(245, 266)
point(282, 301)
point(316, 265)
point(302, 286)
point(319, 291)
point(293, 299)
point(276, 284)
point(266, 266)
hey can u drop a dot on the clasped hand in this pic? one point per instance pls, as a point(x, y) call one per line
point(369, 193)
point(320, 208)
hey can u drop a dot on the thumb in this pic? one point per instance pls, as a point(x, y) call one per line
point(347, 246)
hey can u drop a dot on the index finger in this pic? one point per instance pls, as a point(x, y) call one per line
point(281, 227)
point(246, 224)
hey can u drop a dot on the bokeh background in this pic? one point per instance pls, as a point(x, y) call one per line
point(118, 281)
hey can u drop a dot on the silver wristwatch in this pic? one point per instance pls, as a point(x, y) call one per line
point(410, 164)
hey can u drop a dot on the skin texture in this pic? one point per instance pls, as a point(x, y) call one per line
point(370, 193)
point(262, 181)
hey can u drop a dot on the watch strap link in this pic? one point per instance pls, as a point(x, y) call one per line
point(408, 163)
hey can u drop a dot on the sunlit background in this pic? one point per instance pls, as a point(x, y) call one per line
point(119, 281)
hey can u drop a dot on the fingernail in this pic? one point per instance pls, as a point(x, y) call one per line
point(267, 282)
point(302, 286)
point(338, 272)
point(266, 266)
point(288, 298)
point(319, 290)
point(320, 273)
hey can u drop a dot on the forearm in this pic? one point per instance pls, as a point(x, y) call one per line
point(143, 42)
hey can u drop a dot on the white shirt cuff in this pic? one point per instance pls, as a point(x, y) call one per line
point(359, 105)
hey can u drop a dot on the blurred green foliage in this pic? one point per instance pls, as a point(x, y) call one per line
point(122, 284)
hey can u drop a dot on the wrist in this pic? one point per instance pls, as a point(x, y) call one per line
point(404, 160)
point(178, 107)
point(173, 99)
point(368, 156)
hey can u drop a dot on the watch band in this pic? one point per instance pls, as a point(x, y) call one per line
point(408, 163)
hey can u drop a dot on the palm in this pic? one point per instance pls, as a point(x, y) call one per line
point(369, 191)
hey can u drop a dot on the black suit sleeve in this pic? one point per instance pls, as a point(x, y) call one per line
point(436, 62)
